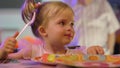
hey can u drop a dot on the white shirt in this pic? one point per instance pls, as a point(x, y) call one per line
point(93, 24)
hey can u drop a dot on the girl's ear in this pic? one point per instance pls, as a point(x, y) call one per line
point(42, 31)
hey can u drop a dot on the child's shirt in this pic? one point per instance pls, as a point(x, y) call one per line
point(38, 50)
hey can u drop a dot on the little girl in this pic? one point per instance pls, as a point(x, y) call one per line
point(53, 24)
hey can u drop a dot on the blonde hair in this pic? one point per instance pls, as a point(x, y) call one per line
point(44, 12)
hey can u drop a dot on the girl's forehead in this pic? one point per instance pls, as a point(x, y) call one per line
point(67, 14)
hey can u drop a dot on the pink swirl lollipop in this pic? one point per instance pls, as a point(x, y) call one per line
point(29, 23)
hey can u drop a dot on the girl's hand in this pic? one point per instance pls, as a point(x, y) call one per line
point(75, 51)
point(9, 44)
point(95, 50)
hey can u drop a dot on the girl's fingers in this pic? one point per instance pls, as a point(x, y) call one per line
point(16, 34)
point(12, 40)
point(9, 49)
point(101, 50)
point(10, 44)
point(93, 51)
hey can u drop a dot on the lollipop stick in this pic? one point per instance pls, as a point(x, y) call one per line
point(22, 30)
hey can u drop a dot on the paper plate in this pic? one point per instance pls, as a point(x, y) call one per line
point(40, 61)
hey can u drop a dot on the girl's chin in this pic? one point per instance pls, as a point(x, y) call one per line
point(67, 42)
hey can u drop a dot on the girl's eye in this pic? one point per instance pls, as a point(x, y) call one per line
point(62, 23)
point(72, 24)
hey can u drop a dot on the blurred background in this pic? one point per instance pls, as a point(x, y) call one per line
point(11, 20)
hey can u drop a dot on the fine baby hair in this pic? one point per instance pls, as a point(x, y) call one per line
point(44, 12)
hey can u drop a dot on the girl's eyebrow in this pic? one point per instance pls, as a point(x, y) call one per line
point(73, 20)
point(65, 19)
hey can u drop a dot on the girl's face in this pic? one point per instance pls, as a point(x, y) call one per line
point(60, 29)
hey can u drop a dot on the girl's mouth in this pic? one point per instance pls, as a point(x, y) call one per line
point(68, 35)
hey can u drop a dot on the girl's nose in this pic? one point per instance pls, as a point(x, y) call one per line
point(70, 28)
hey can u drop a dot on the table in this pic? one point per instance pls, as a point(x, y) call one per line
point(32, 64)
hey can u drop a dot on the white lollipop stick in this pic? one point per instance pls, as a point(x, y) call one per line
point(29, 23)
